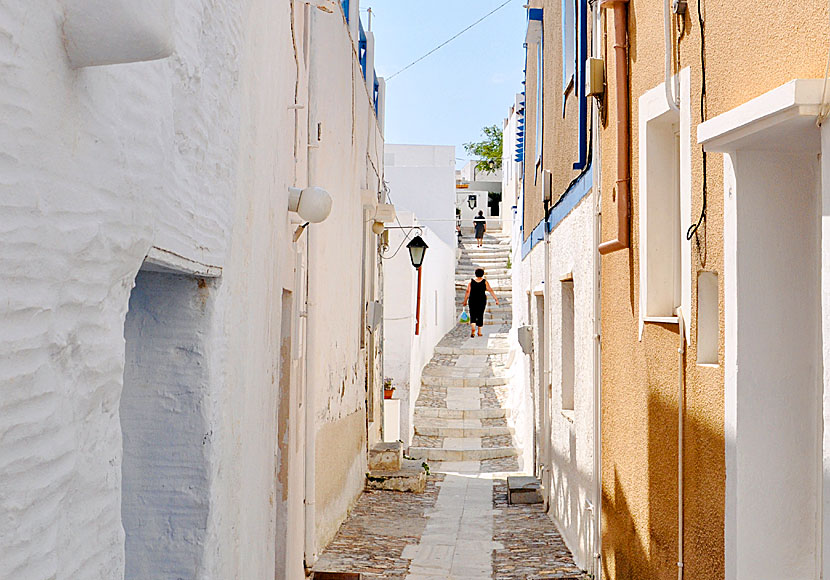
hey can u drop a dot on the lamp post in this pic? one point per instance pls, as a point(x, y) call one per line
point(417, 248)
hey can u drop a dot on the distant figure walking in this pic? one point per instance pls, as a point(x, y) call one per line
point(480, 224)
point(477, 296)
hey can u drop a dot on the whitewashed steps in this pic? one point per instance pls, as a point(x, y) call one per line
point(438, 427)
point(462, 454)
point(432, 412)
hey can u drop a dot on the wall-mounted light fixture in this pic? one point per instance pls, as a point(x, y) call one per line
point(313, 204)
point(417, 250)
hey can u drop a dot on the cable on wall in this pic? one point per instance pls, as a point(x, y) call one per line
point(694, 228)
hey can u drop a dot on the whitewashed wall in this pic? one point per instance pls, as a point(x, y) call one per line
point(406, 354)
point(192, 155)
point(421, 179)
point(345, 156)
point(568, 452)
point(572, 439)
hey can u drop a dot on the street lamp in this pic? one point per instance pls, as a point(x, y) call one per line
point(417, 249)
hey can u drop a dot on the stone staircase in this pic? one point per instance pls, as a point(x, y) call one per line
point(461, 419)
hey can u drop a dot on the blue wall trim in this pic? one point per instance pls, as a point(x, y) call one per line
point(582, 53)
point(575, 193)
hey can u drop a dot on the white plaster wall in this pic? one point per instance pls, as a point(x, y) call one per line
point(572, 437)
point(346, 160)
point(520, 393)
point(406, 354)
point(421, 179)
point(192, 154)
point(571, 443)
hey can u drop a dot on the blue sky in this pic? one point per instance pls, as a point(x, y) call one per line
point(448, 97)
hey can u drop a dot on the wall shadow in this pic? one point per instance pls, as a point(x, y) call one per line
point(640, 525)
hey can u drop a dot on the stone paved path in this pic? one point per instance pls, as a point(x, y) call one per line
point(462, 421)
point(461, 528)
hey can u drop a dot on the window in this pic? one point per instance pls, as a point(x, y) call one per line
point(567, 346)
point(362, 48)
point(660, 231)
point(665, 201)
point(345, 5)
point(535, 36)
point(708, 322)
point(540, 83)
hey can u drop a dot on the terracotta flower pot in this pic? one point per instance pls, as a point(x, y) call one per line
point(387, 393)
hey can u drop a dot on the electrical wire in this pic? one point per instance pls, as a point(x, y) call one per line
point(406, 235)
point(446, 42)
point(693, 229)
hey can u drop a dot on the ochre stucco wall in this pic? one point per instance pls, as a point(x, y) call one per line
point(745, 57)
point(561, 126)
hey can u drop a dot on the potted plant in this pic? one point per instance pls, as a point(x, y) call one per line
point(388, 389)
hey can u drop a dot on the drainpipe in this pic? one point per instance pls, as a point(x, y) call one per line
point(681, 407)
point(670, 98)
point(310, 428)
point(623, 127)
point(596, 162)
point(310, 399)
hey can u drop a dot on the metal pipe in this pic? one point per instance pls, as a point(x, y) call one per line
point(623, 182)
point(681, 407)
point(670, 98)
point(310, 435)
point(596, 162)
point(418, 306)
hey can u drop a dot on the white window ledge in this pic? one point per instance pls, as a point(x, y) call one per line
point(774, 121)
point(662, 319)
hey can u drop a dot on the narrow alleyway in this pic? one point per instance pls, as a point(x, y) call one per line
point(461, 528)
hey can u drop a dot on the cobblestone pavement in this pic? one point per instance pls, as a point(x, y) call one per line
point(391, 535)
point(377, 530)
point(531, 545)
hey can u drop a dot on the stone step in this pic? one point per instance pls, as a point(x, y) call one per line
point(465, 278)
point(483, 260)
point(462, 382)
point(459, 428)
point(491, 307)
point(461, 454)
point(444, 413)
point(524, 489)
point(472, 349)
point(386, 456)
point(496, 287)
point(411, 477)
point(470, 274)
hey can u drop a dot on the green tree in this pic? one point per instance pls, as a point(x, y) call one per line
point(489, 150)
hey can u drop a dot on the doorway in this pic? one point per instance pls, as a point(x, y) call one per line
point(165, 424)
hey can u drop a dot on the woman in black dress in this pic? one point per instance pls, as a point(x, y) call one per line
point(477, 297)
point(480, 224)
